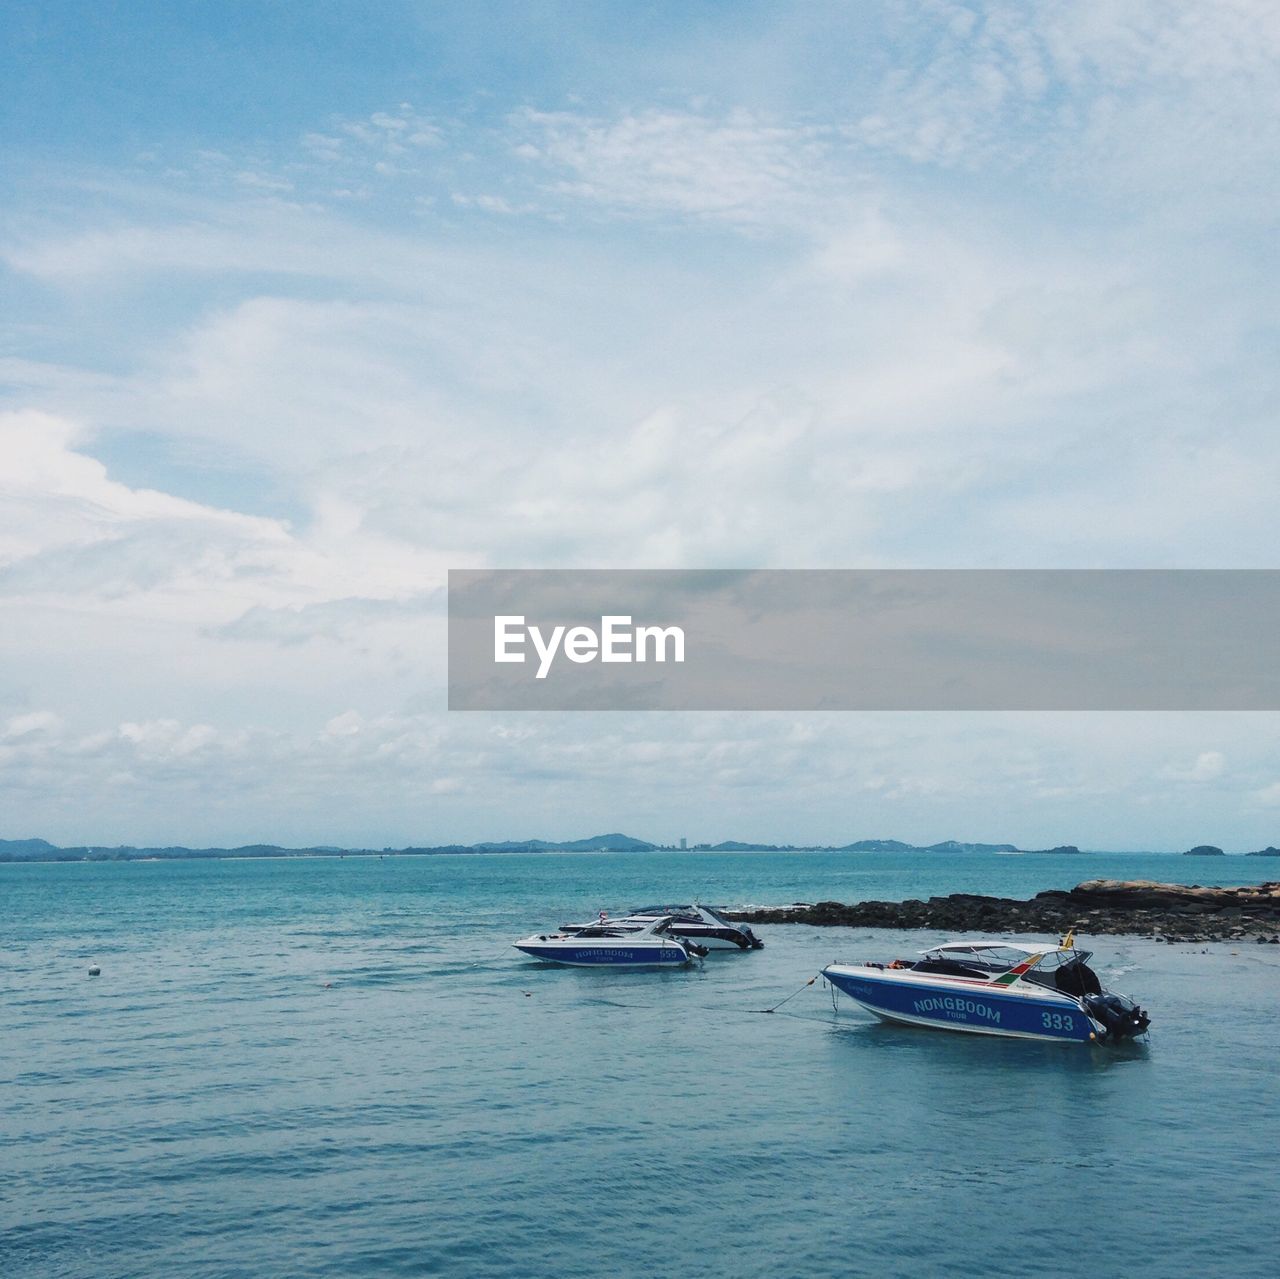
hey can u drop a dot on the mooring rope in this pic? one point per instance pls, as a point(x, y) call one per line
point(793, 994)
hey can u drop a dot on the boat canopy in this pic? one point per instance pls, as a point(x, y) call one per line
point(975, 946)
point(691, 910)
point(1007, 954)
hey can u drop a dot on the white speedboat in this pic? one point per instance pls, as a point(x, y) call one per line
point(995, 988)
point(695, 922)
point(649, 945)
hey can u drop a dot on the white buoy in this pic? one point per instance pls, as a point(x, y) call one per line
point(94, 970)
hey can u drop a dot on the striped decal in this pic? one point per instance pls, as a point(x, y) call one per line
point(1015, 974)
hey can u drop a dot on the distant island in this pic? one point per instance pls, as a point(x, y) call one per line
point(877, 846)
point(41, 850)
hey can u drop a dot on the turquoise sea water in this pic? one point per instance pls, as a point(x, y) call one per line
point(340, 1068)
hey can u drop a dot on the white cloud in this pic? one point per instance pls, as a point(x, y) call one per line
point(370, 777)
point(1124, 95)
point(120, 579)
point(738, 168)
point(392, 133)
point(32, 722)
point(1209, 766)
point(894, 365)
point(263, 181)
point(166, 739)
point(345, 725)
point(60, 512)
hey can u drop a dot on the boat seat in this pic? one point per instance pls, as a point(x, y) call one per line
point(1077, 979)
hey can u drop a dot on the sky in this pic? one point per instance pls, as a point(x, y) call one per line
point(303, 305)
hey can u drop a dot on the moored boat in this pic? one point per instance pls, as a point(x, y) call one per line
point(650, 945)
point(995, 988)
point(694, 922)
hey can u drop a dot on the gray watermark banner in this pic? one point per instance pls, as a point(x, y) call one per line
point(880, 639)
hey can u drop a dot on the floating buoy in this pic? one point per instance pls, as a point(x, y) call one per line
point(94, 970)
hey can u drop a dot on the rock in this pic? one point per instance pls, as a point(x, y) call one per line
point(1174, 912)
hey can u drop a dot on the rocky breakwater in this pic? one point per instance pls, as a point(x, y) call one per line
point(1172, 912)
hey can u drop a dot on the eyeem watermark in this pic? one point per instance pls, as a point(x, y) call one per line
point(616, 641)
point(868, 640)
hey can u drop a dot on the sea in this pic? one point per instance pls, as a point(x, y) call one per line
point(340, 1067)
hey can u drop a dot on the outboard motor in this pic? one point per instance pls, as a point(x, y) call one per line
point(1120, 1018)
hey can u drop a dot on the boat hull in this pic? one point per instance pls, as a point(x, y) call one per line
point(972, 1007)
point(593, 955)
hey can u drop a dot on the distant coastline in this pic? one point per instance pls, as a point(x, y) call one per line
point(41, 850)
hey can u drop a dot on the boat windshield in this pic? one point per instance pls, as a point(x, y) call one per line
point(717, 916)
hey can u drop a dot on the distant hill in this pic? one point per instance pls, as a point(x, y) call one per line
point(946, 846)
point(13, 850)
point(954, 846)
point(1265, 852)
point(612, 843)
point(16, 848)
point(884, 846)
point(877, 846)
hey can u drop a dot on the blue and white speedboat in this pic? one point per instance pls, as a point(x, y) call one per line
point(614, 945)
point(995, 988)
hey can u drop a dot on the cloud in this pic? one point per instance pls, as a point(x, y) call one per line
point(263, 181)
point(1126, 96)
point(78, 543)
point(394, 133)
point(996, 295)
point(167, 739)
point(492, 204)
point(1209, 766)
point(340, 619)
point(66, 526)
point(365, 776)
point(215, 235)
point(32, 722)
point(738, 168)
